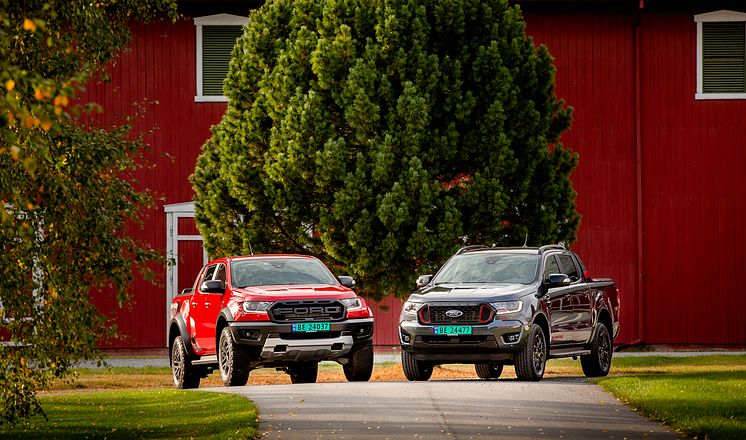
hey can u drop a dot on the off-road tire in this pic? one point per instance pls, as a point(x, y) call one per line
point(531, 361)
point(415, 370)
point(488, 370)
point(598, 363)
point(233, 360)
point(360, 366)
point(184, 374)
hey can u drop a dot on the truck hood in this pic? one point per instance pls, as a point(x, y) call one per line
point(472, 292)
point(282, 292)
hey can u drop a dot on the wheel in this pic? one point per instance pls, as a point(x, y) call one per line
point(360, 366)
point(304, 372)
point(532, 359)
point(185, 374)
point(488, 370)
point(598, 362)
point(414, 369)
point(233, 360)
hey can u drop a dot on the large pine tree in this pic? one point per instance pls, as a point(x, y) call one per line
point(382, 135)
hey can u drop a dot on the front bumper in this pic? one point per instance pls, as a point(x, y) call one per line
point(496, 341)
point(277, 343)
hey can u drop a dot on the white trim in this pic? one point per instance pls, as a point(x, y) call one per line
point(187, 207)
point(208, 98)
point(721, 15)
point(220, 20)
point(705, 96)
point(716, 16)
point(212, 20)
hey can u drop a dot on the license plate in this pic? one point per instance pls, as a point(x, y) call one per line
point(308, 327)
point(452, 329)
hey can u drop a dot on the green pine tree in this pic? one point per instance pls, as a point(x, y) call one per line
point(381, 136)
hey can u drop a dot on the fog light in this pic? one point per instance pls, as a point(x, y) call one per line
point(512, 338)
point(405, 338)
point(252, 335)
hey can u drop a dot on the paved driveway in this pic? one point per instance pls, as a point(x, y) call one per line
point(454, 409)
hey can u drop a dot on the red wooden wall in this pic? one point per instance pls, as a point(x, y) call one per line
point(694, 183)
point(160, 67)
point(682, 237)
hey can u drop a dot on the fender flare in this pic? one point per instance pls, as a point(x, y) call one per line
point(180, 324)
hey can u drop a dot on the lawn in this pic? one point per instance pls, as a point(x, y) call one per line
point(152, 414)
point(704, 397)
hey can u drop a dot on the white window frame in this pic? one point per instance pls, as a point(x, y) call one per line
point(716, 16)
point(212, 20)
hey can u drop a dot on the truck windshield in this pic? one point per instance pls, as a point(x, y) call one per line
point(279, 271)
point(489, 268)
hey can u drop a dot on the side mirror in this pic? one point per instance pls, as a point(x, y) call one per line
point(558, 280)
point(212, 286)
point(423, 280)
point(186, 291)
point(346, 281)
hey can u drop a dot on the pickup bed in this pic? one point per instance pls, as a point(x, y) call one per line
point(283, 311)
point(509, 306)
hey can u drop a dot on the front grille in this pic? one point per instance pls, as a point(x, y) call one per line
point(470, 314)
point(307, 310)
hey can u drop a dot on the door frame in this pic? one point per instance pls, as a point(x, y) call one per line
point(173, 213)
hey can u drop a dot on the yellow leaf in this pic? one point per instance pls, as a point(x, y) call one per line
point(38, 94)
point(29, 25)
point(58, 111)
point(10, 85)
point(46, 125)
point(61, 100)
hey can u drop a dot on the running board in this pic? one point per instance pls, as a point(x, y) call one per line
point(567, 352)
point(206, 360)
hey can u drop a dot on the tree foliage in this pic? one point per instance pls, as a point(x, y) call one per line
point(382, 135)
point(65, 200)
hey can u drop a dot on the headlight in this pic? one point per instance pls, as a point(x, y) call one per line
point(352, 303)
point(256, 306)
point(508, 307)
point(411, 308)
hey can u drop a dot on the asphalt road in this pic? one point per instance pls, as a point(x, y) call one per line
point(454, 409)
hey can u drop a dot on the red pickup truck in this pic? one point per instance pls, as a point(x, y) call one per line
point(282, 311)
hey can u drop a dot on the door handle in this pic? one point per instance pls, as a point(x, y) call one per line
point(194, 304)
point(207, 304)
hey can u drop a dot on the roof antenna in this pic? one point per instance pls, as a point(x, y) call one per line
point(526, 241)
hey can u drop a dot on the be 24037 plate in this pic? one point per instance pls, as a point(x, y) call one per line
point(310, 327)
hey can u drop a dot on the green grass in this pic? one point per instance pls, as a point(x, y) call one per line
point(704, 396)
point(150, 414)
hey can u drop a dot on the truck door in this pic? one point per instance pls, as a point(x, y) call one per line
point(202, 308)
point(579, 316)
point(559, 304)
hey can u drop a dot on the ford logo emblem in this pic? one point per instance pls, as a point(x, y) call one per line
point(454, 313)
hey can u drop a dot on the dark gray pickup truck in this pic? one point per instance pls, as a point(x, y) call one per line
point(509, 306)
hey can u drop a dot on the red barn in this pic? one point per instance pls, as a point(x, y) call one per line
point(659, 92)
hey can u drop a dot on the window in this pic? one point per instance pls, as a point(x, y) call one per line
point(216, 36)
point(721, 55)
point(551, 267)
point(209, 273)
point(568, 267)
point(221, 273)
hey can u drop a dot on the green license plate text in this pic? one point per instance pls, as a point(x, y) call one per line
point(306, 327)
point(452, 330)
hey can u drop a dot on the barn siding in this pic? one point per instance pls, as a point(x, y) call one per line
point(693, 190)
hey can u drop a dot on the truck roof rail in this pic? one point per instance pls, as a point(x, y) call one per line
point(473, 247)
point(551, 247)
